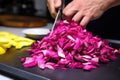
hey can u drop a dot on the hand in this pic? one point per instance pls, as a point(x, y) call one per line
point(83, 11)
point(52, 6)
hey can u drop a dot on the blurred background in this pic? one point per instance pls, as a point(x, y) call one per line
point(24, 13)
point(106, 26)
point(24, 7)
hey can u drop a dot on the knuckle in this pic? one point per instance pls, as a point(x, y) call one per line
point(66, 13)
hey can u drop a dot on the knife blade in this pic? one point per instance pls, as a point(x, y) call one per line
point(58, 16)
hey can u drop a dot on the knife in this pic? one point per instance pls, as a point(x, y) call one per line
point(58, 16)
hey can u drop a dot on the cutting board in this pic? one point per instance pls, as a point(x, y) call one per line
point(10, 63)
point(19, 21)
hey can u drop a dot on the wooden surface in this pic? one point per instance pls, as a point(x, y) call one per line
point(22, 21)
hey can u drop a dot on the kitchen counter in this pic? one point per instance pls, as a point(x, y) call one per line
point(18, 31)
point(11, 64)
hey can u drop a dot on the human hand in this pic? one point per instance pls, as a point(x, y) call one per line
point(83, 11)
point(52, 6)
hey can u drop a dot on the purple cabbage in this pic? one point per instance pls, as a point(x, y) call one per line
point(69, 46)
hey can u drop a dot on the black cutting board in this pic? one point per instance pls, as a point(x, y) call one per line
point(10, 63)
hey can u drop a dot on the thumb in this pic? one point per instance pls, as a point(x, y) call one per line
point(58, 3)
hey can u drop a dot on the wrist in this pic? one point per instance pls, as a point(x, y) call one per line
point(111, 3)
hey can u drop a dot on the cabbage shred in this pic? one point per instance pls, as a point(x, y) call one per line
point(70, 46)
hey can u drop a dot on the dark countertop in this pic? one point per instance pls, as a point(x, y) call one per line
point(18, 31)
point(10, 64)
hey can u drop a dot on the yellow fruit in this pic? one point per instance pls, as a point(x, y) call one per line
point(2, 50)
point(4, 40)
point(7, 40)
point(22, 44)
point(6, 45)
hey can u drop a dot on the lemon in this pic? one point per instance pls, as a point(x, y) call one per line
point(7, 40)
point(3, 40)
point(2, 50)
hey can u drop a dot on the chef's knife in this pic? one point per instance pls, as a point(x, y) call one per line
point(58, 16)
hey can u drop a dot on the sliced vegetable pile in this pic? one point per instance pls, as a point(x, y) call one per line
point(8, 40)
point(69, 46)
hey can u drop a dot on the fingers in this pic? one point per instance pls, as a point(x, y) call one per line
point(78, 17)
point(78, 12)
point(69, 11)
point(81, 19)
point(58, 3)
point(52, 6)
point(72, 11)
point(85, 21)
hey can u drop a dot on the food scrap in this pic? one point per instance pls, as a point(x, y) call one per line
point(8, 40)
point(70, 46)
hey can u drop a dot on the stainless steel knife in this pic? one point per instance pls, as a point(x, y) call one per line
point(58, 16)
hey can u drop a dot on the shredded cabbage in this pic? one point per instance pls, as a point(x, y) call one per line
point(69, 46)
